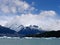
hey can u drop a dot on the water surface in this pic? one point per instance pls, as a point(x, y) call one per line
point(29, 41)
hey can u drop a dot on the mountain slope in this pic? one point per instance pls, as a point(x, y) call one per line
point(30, 30)
point(7, 32)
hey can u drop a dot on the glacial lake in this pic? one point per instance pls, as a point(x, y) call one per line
point(29, 41)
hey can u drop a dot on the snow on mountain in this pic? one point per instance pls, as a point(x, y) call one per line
point(30, 30)
point(23, 30)
point(17, 25)
point(14, 24)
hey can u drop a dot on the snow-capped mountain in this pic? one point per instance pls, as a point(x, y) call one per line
point(26, 30)
point(16, 25)
point(31, 30)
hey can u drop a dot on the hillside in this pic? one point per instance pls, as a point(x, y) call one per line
point(47, 34)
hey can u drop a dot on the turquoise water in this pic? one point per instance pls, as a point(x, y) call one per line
point(33, 41)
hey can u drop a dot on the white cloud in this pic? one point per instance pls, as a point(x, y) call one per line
point(46, 20)
point(13, 9)
point(9, 9)
point(5, 9)
point(48, 13)
point(14, 6)
point(3, 22)
point(5, 19)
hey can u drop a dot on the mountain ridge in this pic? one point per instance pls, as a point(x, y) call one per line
point(23, 31)
point(28, 32)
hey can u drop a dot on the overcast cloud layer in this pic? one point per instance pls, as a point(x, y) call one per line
point(20, 12)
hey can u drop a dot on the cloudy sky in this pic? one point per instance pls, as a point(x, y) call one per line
point(44, 13)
